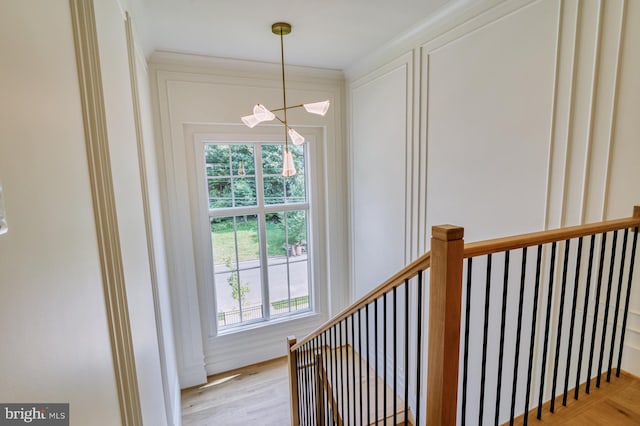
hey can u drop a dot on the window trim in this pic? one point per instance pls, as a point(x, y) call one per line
point(202, 134)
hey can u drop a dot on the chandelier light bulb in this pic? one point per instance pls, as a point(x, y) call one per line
point(296, 137)
point(319, 108)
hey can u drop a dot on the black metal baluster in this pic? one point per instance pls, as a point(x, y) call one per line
point(305, 386)
point(502, 327)
point(534, 317)
point(336, 382)
point(546, 327)
point(395, 357)
point(361, 360)
point(330, 407)
point(299, 370)
point(313, 377)
point(584, 315)
point(615, 315)
point(325, 372)
point(345, 361)
point(334, 391)
point(319, 364)
point(309, 384)
point(309, 400)
point(560, 318)
point(375, 357)
point(406, 351)
point(368, 374)
point(626, 303)
point(523, 274)
point(606, 306)
point(318, 376)
point(573, 321)
point(483, 374)
point(419, 348)
point(465, 365)
point(312, 387)
point(603, 246)
point(345, 391)
point(353, 364)
point(384, 357)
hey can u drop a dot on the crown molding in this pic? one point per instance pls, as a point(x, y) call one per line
point(187, 62)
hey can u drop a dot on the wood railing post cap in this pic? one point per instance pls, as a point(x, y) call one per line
point(636, 211)
point(447, 232)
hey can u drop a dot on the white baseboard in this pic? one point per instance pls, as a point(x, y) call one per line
point(631, 360)
point(192, 376)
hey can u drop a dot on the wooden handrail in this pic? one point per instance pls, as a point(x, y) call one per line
point(497, 245)
point(479, 248)
point(420, 264)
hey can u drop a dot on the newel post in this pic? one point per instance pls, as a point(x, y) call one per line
point(293, 380)
point(445, 298)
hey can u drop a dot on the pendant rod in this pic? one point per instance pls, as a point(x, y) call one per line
point(284, 93)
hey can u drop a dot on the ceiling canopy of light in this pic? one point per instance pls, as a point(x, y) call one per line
point(262, 114)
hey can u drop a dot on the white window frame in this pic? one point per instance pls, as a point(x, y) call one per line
point(261, 210)
point(223, 349)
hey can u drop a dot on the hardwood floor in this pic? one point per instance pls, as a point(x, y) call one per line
point(259, 395)
point(254, 395)
point(615, 403)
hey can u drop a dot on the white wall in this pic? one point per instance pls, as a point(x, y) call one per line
point(487, 110)
point(624, 155)
point(56, 343)
point(522, 117)
point(55, 340)
point(196, 96)
point(378, 119)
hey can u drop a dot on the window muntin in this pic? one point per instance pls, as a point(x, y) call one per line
point(286, 268)
point(231, 179)
point(259, 232)
point(277, 188)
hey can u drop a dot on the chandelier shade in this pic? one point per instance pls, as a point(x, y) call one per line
point(319, 108)
point(250, 121)
point(262, 114)
point(296, 137)
point(288, 168)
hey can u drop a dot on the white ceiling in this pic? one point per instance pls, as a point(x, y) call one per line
point(329, 34)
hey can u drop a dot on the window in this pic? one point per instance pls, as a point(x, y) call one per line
point(259, 232)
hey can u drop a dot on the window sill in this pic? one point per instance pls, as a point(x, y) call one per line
point(285, 320)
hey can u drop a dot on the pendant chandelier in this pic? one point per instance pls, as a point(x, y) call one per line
point(261, 113)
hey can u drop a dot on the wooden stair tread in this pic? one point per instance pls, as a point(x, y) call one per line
point(385, 393)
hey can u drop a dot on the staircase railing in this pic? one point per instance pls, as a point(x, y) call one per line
point(367, 364)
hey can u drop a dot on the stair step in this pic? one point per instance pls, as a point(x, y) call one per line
point(345, 386)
